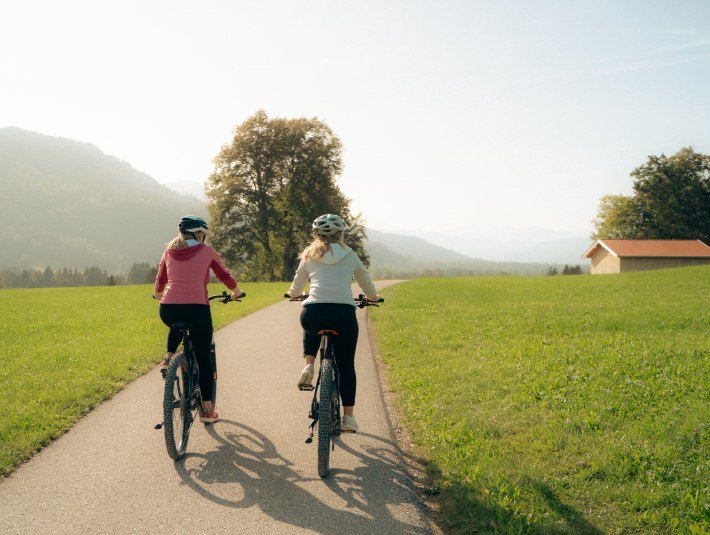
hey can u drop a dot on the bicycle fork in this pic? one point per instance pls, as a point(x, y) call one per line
point(315, 405)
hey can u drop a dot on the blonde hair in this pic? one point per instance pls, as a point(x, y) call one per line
point(180, 242)
point(320, 245)
point(177, 243)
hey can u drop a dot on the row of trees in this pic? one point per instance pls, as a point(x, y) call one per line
point(140, 273)
point(269, 184)
point(567, 270)
point(671, 200)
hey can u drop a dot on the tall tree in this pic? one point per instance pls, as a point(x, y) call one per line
point(617, 218)
point(673, 196)
point(275, 177)
point(671, 201)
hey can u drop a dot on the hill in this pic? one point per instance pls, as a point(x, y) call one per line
point(508, 244)
point(66, 203)
point(398, 255)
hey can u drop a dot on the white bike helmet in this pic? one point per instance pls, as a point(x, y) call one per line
point(329, 224)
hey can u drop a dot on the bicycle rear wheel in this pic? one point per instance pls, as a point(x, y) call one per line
point(176, 407)
point(325, 415)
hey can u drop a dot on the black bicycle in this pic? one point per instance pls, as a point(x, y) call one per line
point(183, 398)
point(325, 405)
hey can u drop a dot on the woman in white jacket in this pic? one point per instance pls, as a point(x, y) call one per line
point(331, 265)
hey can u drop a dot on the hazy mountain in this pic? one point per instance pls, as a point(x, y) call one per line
point(187, 187)
point(511, 244)
point(398, 255)
point(404, 245)
point(562, 251)
point(66, 203)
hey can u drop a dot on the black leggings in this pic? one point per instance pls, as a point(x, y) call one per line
point(200, 318)
point(340, 318)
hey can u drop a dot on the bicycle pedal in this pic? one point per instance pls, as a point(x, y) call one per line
point(158, 426)
point(306, 388)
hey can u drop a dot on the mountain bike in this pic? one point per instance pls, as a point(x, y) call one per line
point(325, 404)
point(182, 397)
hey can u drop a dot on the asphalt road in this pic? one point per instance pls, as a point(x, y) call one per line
point(249, 473)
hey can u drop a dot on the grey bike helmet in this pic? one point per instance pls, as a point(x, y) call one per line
point(329, 224)
point(193, 223)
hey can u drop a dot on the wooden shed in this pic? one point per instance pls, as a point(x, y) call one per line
point(617, 256)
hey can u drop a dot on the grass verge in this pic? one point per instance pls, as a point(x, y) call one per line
point(557, 404)
point(65, 350)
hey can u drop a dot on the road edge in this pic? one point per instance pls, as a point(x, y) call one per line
point(412, 462)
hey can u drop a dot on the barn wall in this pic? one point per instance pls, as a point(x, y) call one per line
point(604, 262)
point(644, 263)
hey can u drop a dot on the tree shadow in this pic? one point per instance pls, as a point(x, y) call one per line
point(247, 470)
point(468, 512)
point(576, 523)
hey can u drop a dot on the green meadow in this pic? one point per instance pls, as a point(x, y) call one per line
point(65, 350)
point(557, 405)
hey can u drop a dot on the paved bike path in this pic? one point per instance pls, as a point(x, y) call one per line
point(250, 473)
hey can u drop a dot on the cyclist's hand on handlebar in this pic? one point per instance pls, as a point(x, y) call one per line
point(157, 295)
point(236, 293)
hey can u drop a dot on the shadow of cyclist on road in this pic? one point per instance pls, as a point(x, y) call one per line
point(246, 470)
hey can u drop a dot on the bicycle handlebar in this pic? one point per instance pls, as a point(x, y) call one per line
point(361, 301)
point(224, 297)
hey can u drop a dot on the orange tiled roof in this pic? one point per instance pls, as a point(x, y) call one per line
point(652, 248)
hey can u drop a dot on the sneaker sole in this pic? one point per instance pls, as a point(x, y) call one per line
point(305, 380)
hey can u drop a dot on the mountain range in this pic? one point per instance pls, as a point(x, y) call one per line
point(67, 204)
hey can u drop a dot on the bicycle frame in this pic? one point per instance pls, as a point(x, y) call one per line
point(326, 352)
point(325, 403)
point(182, 388)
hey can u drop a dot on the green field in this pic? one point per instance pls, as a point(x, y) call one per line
point(65, 350)
point(557, 404)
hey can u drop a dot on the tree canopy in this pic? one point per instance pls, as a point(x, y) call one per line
point(269, 184)
point(671, 200)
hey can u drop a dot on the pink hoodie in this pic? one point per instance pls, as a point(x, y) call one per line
point(184, 274)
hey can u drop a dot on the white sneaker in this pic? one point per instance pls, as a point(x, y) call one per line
point(306, 376)
point(349, 425)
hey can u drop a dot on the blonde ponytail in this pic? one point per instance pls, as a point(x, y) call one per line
point(177, 243)
point(321, 245)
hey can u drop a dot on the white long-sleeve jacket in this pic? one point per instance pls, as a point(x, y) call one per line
point(331, 277)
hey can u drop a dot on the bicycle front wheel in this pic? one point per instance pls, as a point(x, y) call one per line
point(176, 407)
point(325, 415)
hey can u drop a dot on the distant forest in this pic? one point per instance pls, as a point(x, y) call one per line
point(140, 273)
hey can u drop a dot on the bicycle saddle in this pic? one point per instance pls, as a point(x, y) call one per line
point(328, 331)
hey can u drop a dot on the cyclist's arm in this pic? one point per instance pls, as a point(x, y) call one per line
point(362, 277)
point(299, 280)
point(161, 279)
point(223, 274)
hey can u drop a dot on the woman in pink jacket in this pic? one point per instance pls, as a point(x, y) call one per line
point(181, 286)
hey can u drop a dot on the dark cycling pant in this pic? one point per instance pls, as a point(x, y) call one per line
point(200, 318)
point(340, 318)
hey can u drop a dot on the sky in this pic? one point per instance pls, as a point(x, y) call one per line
point(456, 117)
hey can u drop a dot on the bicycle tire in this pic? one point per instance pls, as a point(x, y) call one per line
point(325, 416)
point(176, 407)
